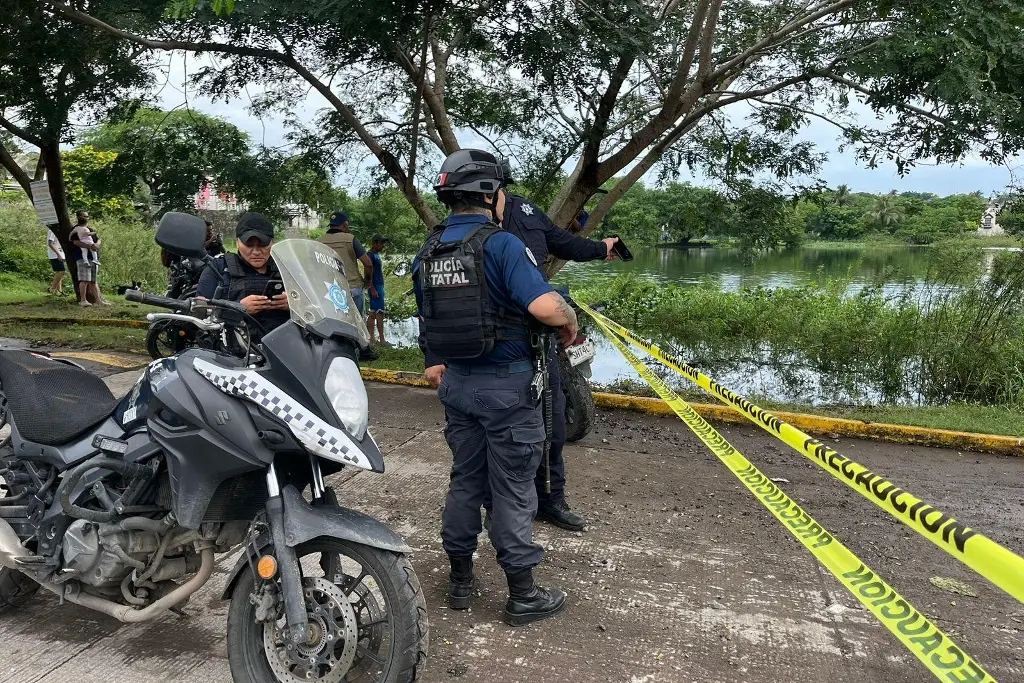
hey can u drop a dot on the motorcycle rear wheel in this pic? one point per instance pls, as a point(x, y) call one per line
point(580, 412)
point(387, 604)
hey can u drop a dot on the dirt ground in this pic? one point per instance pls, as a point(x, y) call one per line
point(682, 576)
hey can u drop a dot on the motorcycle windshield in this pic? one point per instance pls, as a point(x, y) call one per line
point(317, 289)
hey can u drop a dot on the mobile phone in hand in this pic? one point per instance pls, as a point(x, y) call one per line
point(621, 250)
point(274, 287)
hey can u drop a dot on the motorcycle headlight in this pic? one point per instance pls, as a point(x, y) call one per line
point(344, 388)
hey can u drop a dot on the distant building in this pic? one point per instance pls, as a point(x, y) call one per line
point(223, 209)
point(989, 219)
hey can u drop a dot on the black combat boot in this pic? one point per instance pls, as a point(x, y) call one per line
point(461, 582)
point(528, 602)
point(561, 515)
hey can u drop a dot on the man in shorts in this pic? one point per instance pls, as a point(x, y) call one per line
point(55, 253)
point(376, 289)
point(87, 262)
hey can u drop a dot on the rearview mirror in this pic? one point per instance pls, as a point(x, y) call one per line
point(182, 234)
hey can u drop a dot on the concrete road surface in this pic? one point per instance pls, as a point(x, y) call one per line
point(683, 576)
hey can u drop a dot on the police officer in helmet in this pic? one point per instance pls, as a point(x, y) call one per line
point(479, 295)
point(245, 276)
point(529, 223)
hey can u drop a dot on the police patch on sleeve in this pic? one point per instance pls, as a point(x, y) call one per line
point(529, 255)
point(527, 209)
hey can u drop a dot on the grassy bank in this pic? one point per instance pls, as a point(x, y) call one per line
point(958, 339)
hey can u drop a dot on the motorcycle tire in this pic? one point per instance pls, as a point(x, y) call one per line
point(163, 340)
point(580, 412)
point(402, 622)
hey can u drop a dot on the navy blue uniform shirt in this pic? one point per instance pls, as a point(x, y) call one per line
point(528, 222)
point(513, 282)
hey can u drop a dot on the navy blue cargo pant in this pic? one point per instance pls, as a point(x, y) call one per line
point(495, 430)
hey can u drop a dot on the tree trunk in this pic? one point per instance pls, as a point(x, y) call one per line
point(50, 156)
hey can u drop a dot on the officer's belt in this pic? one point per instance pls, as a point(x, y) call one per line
point(496, 369)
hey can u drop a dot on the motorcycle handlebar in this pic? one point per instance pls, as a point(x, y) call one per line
point(154, 300)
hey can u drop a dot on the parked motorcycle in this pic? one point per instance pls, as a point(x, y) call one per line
point(170, 334)
point(122, 506)
point(167, 338)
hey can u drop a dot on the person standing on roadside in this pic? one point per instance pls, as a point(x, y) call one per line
point(87, 262)
point(530, 224)
point(55, 252)
point(377, 305)
point(479, 297)
point(351, 253)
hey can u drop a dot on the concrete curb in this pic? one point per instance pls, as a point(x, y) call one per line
point(88, 322)
point(813, 424)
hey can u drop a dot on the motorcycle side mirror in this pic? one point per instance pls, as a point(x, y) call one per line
point(182, 234)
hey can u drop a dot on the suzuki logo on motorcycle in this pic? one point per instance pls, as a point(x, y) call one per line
point(222, 417)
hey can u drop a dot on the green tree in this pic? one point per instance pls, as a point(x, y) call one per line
point(172, 152)
point(87, 177)
point(1011, 216)
point(56, 72)
point(885, 214)
point(762, 219)
point(931, 225)
point(614, 90)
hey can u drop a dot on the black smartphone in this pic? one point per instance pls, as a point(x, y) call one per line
point(621, 250)
point(274, 287)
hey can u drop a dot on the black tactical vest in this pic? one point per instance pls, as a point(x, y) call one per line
point(460, 318)
point(246, 281)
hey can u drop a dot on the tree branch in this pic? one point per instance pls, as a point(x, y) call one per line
point(388, 160)
point(783, 32)
point(853, 85)
point(682, 74)
point(19, 132)
point(16, 171)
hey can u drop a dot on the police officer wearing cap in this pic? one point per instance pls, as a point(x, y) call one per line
point(479, 292)
point(529, 223)
point(243, 277)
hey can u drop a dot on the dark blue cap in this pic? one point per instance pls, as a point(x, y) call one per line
point(339, 217)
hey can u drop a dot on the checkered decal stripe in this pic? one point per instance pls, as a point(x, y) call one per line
point(315, 434)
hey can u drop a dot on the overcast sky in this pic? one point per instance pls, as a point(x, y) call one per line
point(841, 168)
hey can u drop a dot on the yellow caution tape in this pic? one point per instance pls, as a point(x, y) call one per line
point(997, 564)
point(927, 642)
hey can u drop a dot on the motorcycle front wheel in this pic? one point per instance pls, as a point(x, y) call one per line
point(166, 339)
point(367, 617)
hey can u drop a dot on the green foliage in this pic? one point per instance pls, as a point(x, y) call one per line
point(683, 211)
point(129, 253)
point(87, 177)
point(933, 224)
point(963, 341)
point(22, 241)
point(172, 152)
point(1011, 218)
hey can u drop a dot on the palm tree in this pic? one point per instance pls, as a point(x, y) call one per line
point(886, 213)
point(841, 196)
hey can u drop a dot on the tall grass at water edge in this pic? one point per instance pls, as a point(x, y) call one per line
point(958, 337)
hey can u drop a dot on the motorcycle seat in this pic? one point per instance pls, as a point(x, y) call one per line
point(52, 402)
